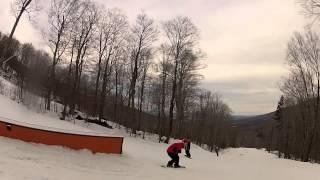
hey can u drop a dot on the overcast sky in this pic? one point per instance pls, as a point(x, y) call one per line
point(244, 40)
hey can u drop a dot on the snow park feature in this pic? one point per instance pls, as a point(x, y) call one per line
point(96, 142)
point(20, 122)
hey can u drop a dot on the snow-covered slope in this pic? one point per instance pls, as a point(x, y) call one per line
point(141, 159)
point(10, 110)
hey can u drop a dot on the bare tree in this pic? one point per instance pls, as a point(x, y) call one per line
point(68, 78)
point(146, 61)
point(119, 81)
point(19, 7)
point(303, 84)
point(111, 23)
point(164, 67)
point(61, 16)
point(210, 118)
point(144, 33)
point(116, 33)
point(187, 81)
point(182, 35)
point(83, 32)
point(311, 8)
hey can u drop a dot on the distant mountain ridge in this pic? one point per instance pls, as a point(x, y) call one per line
point(252, 130)
point(251, 120)
point(240, 117)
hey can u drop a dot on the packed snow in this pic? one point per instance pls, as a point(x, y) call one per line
point(141, 158)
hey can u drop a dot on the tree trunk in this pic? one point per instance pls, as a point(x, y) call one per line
point(173, 95)
point(101, 51)
point(115, 117)
point(66, 97)
point(132, 90)
point(54, 63)
point(104, 87)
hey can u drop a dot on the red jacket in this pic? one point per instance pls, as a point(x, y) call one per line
point(175, 148)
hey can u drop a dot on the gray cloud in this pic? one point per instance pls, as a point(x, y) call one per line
point(245, 42)
point(247, 96)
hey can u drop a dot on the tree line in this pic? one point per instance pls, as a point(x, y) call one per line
point(295, 133)
point(142, 75)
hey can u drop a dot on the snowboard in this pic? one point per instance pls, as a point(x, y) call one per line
point(165, 166)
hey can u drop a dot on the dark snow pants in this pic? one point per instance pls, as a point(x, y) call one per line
point(187, 149)
point(188, 153)
point(174, 159)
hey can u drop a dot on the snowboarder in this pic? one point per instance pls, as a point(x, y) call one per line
point(187, 147)
point(173, 151)
point(216, 149)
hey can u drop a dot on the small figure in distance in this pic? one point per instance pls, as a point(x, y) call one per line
point(216, 149)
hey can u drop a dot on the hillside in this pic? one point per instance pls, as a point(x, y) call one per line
point(141, 159)
point(252, 120)
point(251, 130)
